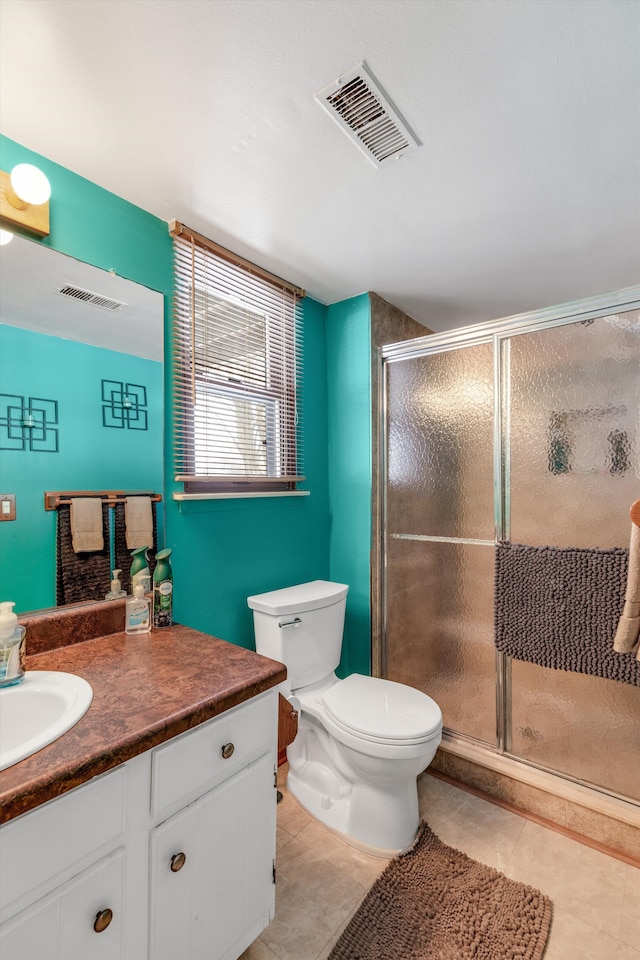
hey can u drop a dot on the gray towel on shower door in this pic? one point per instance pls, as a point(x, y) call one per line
point(559, 607)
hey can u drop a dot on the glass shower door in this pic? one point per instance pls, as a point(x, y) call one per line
point(440, 533)
point(574, 442)
point(525, 431)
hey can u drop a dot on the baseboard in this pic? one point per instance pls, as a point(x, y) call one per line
point(608, 823)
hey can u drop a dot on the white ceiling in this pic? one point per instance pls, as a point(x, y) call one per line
point(32, 276)
point(524, 194)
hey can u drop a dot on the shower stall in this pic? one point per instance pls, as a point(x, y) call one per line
point(523, 431)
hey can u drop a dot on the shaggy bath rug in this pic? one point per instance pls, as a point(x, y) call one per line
point(435, 903)
point(559, 607)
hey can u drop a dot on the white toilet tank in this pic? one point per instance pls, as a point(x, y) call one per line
point(301, 627)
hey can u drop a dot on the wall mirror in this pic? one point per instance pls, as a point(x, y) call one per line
point(72, 337)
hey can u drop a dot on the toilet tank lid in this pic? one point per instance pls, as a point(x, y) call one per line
point(298, 599)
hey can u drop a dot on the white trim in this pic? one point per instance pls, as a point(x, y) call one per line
point(614, 807)
point(616, 302)
point(434, 539)
point(240, 496)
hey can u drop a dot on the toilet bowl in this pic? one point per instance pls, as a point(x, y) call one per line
point(361, 741)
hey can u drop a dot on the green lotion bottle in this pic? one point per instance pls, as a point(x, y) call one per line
point(163, 590)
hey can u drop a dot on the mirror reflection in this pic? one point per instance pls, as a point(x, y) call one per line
point(81, 401)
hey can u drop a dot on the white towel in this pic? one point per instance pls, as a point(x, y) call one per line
point(86, 524)
point(138, 518)
point(628, 630)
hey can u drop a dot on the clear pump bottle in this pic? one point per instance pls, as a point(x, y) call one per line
point(12, 649)
point(116, 587)
point(138, 612)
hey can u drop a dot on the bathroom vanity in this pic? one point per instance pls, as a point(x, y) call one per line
point(147, 830)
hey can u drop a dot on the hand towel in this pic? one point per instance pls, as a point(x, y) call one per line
point(86, 524)
point(629, 624)
point(138, 518)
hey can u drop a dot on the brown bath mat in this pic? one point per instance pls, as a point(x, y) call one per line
point(435, 903)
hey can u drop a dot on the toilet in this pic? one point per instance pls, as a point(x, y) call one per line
point(361, 741)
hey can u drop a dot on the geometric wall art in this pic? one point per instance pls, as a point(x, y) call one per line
point(124, 405)
point(29, 423)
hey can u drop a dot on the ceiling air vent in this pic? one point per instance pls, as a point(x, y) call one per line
point(87, 296)
point(356, 101)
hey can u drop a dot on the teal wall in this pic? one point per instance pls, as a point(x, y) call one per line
point(223, 550)
point(227, 550)
point(98, 227)
point(349, 413)
point(120, 458)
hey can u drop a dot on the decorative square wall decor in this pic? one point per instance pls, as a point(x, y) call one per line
point(28, 423)
point(124, 405)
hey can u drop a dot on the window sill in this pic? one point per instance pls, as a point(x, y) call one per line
point(186, 497)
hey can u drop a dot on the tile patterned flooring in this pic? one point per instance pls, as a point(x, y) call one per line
point(321, 880)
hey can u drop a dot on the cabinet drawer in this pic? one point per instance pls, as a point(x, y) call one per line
point(46, 843)
point(194, 761)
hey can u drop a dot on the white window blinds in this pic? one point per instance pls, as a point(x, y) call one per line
point(237, 371)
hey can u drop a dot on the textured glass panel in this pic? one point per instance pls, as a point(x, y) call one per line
point(440, 629)
point(586, 727)
point(575, 432)
point(440, 430)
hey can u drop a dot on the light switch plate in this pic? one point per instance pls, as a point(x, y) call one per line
point(7, 506)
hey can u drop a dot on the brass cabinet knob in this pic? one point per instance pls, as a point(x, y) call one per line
point(102, 920)
point(227, 750)
point(178, 861)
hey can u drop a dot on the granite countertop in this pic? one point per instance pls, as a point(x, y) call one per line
point(146, 689)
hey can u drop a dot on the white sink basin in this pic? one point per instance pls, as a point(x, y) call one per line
point(38, 710)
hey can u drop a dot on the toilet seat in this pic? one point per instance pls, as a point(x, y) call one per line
point(382, 711)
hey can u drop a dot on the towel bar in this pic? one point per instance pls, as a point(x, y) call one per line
point(56, 498)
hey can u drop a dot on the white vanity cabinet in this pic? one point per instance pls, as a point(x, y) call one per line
point(212, 861)
point(74, 922)
point(62, 874)
point(212, 871)
point(169, 856)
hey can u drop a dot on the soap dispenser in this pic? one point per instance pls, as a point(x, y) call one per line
point(116, 587)
point(12, 646)
point(138, 611)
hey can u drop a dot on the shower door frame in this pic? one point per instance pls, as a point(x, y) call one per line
point(498, 333)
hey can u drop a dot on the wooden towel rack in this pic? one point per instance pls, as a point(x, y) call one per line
point(56, 498)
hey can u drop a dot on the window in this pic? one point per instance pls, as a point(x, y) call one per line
point(237, 371)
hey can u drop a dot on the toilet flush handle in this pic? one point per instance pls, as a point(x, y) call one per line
point(290, 623)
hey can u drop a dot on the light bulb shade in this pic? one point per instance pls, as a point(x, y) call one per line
point(30, 184)
point(5, 237)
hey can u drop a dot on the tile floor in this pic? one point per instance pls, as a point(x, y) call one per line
point(321, 881)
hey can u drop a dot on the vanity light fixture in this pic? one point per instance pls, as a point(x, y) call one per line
point(24, 199)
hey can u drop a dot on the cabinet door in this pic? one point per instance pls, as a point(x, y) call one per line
point(61, 926)
point(225, 885)
point(287, 727)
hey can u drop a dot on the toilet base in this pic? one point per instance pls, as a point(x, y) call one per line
point(379, 817)
point(334, 818)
